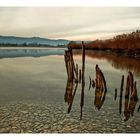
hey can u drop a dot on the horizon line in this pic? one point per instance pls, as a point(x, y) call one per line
point(105, 37)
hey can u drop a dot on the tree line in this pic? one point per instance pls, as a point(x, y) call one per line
point(29, 45)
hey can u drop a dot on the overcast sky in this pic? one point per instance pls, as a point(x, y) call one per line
point(87, 23)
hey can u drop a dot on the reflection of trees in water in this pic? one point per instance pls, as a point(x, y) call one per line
point(117, 61)
point(77, 76)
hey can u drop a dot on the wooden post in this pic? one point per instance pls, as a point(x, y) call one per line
point(126, 102)
point(69, 63)
point(72, 60)
point(70, 106)
point(89, 83)
point(72, 73)
point(127, 92)
point(115, 97)
point(131, 82)
point(83, 78)
point(100, 88)
point(79, 80)
point(76, 74)
point(133, 99)
point(93, 84)
point(66, 62)
point(68, 91)
point(121, 92)
point(134, 95)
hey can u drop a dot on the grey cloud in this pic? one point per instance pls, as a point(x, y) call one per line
point(68, 22)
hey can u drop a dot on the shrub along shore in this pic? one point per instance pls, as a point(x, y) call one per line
point(128, 44)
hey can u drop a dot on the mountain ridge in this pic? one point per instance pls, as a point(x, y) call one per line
point(32, 40)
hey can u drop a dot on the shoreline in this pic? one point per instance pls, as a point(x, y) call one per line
point(132, 54)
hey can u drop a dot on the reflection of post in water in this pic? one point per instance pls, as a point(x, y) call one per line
point(100, 88)
point(131, 97)
point(70, 68)
point(91, 83)
point(83, 78)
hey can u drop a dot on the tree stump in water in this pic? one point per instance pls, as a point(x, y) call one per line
point(72, 74)
point(131, 97)
point(100, 88)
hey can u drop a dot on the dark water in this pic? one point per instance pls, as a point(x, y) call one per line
point(41, 81)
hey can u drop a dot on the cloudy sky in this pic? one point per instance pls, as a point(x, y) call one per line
point(73, 23)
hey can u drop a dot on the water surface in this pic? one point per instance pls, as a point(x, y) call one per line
point(32, 91)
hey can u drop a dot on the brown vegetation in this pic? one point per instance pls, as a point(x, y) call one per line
point(125, 43)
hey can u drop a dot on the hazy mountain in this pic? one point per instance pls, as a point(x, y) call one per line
point(32, 40)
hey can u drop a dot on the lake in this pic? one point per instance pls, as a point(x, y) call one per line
point(33, 86)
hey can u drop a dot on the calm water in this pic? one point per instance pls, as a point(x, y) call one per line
point(42, 81)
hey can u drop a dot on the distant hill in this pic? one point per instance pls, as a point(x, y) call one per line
point(35, 41)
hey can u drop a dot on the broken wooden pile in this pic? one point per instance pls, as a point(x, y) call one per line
point(75, 76)
point(100, 88)
point(131, 97)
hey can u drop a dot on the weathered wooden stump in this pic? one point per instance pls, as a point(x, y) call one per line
point(131, 97)
point(100, 88)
